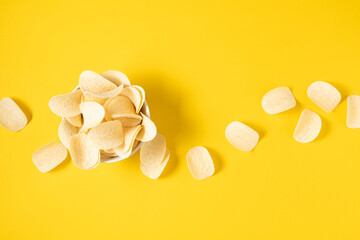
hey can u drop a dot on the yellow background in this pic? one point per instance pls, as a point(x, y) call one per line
point(203, 65)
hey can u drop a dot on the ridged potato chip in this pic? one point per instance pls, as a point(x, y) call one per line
point(107, 135)
point(324, 95)
point(76, 121)
point(49, 156)
point(66, 105)
point(116, 77)
point(241, 136)
point(108, 94)
point(278, 100)
point(353, 111)
point(128, 120)
point(118, 106)
point(93, 114)
point(129, 138)
point(65, 131)
point(153, 152)
point(200, 163)
point(12, 118)
point(94, 83)
point(154, 171)
point(83, 153)
point(134, 95)
point(148, 132)
point(308, 127)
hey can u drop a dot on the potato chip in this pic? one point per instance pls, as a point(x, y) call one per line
point(152, 153)
point(308, 127)
point(83, 153)
point(324, 95)
point(49, 156)
point(66, 105)
point(154, 171)
point(116, 77)
point(108, 94)
point(93, 114)
point(129, 138)
point(118, 106)
point(200, 163)
point(353, 111)
point(148, 132)
point(107, 135)
point(241, 136)
point(12, 118)
point(278, 100)
point(128, 120)
point(76, 121)
point(65, 131)
point(94, 83)
point(142, 94)
point(135, 96)
point(89, 97)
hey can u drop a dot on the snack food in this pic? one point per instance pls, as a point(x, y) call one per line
point(12, 118)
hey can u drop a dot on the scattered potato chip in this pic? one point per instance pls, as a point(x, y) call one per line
point(200, 163)
point(116, 77)
point(128, 142)
point(148, 132)
point(241, 136)
point(83, 153)
point(324, 95)
point(76, 121)
point(353, 111)
point(278, 100)
point(135, 96)
point(107, 135)
point(65, 131)
point(154, 171)
point(49, 156)
point(308, 127)
point(12, 118)
point(93, 114)
point(118, 106)
point(128, 120)
point(94, 83)
point(153, 152)
point(66, 105)
point(108, 94)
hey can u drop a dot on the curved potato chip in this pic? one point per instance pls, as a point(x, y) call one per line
point(83, 153)
point(200, 163)
point(93, 114)
point(76, 121)
point(308, 127)
point(89, 97)
point(278, 100)
point(66, 105)
point(241, 136)
point(353, 111)
point(119, 105)
point(152, 171)
point(116, 77)
point(148, 132)
point(142, 94)
point(129, 138)
point(108, 94)
point(128, 120)
point(12, 118)
point(107, 135)
point(49, 156)
point(65, 131)
point(94, 83)
point(153, 152)
point(135, 96)
point(324, 95)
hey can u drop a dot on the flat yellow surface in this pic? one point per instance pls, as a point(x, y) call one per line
point(203, 65)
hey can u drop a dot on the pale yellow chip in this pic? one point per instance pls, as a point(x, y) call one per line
point(153, 152)
point(241, 136)
point(49, 156)
point(128, 120)
point(154, 171)
point(118, 106)
point(94, 83)
point(76, 121)
point(116, 77)
point(278, 100)
point(66, 105)
point(324, 95)
point(65, 131)
point(200, 163)
point(12, 118)
point(108, 94)
point(83, 153)
point(134, 95)
point(353, 111)
point(308, 127)
point(124, 150)
point(148, 132)
point(142, 94)
point(93, 114)
point(89, 97)
point(107, 135)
